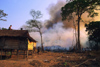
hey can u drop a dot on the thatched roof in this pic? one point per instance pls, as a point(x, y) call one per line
point(16, 33)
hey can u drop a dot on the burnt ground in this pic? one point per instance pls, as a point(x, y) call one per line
point(54, 59)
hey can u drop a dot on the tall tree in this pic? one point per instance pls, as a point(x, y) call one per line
point(93, 29)
point(79, 7)
point(35, 25)
point(2, 14)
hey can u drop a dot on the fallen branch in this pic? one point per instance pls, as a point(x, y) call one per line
point(84, 62)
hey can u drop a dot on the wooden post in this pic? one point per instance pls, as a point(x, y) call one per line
point(5, 52)
point(11, 53)
point(27, 54)
point(1, 54)
point(17, 54)
point(32, 53)
point(24, 54)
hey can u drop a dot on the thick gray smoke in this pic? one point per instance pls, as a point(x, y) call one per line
point(54, 11)
point(56, 32)
point(57, 35)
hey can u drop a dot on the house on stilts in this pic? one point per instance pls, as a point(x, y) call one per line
point(16, 40)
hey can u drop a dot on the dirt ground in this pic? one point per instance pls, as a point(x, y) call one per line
point(52, 59)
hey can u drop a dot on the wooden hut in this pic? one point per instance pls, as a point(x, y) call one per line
point(15, 40)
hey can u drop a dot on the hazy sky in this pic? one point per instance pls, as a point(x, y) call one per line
point(19, 11)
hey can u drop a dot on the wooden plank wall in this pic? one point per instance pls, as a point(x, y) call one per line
point(14, 43)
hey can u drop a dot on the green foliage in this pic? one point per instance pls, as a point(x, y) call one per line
point(34, 24)
point(93, 29)
point(36, 14)
point(4, 28)
point(8, 53)
point(65, 63)
point(79, 7)
point(2, 14)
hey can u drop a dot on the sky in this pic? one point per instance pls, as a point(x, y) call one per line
point(19, 11)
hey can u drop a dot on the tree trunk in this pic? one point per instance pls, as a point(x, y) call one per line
point(76, 39)
point(1, 53)
point(78, 44)
point(42, 48)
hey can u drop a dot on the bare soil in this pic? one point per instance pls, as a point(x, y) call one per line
point(52, 59)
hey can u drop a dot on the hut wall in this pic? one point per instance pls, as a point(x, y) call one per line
point(11, 43)
point(14, 43)
point(23, 44)
point(2, 40)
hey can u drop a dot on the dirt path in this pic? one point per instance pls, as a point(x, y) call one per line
point(50, 59)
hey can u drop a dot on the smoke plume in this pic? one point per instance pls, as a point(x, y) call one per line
point(58, 32)
point(54, 11)
point(57, 35)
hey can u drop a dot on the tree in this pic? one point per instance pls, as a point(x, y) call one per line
point(34, 25)
point(4, 29)
point(2, 14)
point(79, 7)
point(93, 29)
